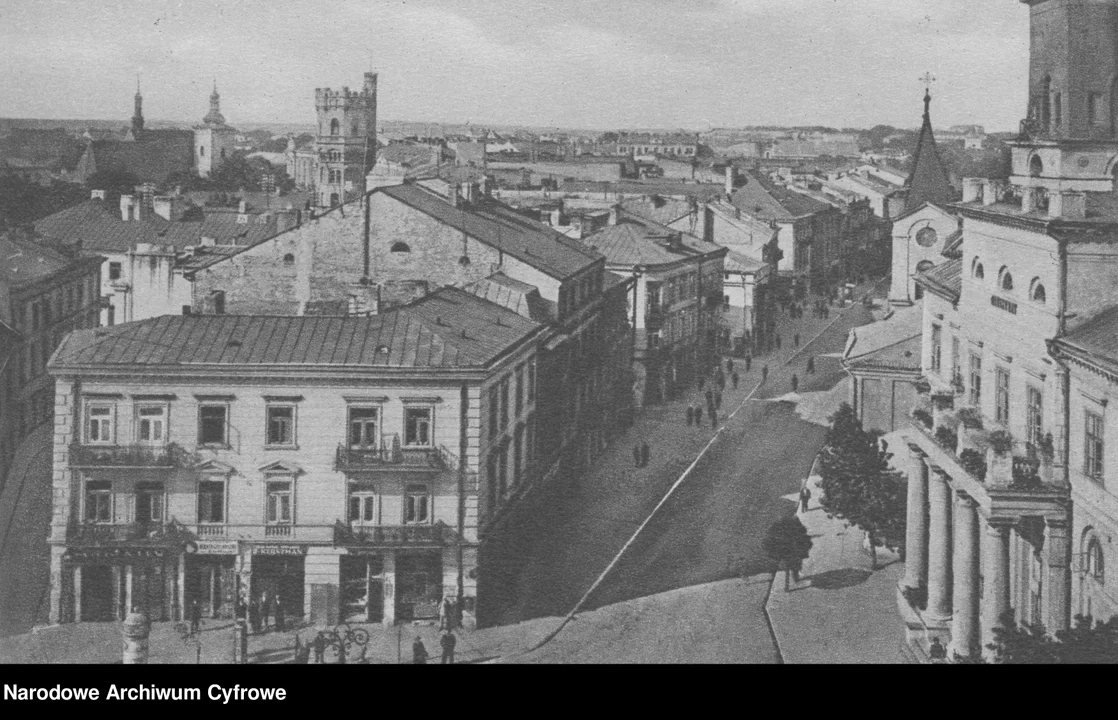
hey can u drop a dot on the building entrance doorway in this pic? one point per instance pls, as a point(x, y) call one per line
point(281, 577)
point(362, 591)
point(419, 586)
point(97, 593)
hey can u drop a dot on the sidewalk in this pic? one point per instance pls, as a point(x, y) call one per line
point(842, 610)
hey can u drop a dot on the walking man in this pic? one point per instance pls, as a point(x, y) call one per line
point(265, 609)
point(796, 340)
point(764, 373)
point(734, 378)
point(795, 382)
point(690, 415)
point(195, 617)
point(319, 648)
point(418, 652)
point(698, 416)
point(448, 642)
point(748, 362)
point(254, 615)
point(637, 455)
point(644, 454)
point(805, 495)
point(811, 365)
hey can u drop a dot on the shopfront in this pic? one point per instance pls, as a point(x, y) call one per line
point(108, 583)
point(211, 577)
point(278, 572)
point(419, 585)
point(362, 586)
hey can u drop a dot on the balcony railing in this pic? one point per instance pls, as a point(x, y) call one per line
point(285, 533)
point(121, 456)
point(150, 533)
point(389, 457)
point(438, 534)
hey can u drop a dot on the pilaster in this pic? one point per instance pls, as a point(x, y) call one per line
point(939, 545)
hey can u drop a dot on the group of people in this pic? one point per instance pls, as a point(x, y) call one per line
point(448, 642)
point(257, 611)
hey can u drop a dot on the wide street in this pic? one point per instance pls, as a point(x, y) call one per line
point(711, 528)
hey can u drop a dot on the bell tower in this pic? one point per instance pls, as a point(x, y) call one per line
point(346, 144)
point(138, 112)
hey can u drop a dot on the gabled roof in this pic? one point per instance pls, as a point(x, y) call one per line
point(953, 245)
point(503, 228)
point(661, 210)
point(736, 262)
point(448, 329)
point(522, 298)
point(928, 182)
point(945, 279)
point(639, 241)
point(23, 262)
point(152, 158)
point(1097, 337)
point(762, 199)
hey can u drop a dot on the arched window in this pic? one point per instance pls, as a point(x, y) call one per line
point(400, 247)
point(1005, 279)
point(1095, 565)
point(976, 270)
point(1036, 166)
point(1036, 291)
point(335, 126)
point(289, 259)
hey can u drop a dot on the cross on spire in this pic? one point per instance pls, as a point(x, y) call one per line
point(927, 79)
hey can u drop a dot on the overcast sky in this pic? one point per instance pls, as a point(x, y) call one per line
point(571, 63)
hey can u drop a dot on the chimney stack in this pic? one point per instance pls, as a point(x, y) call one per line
point(972, 189)
point(452, 195)
point(613, 212)
point(97, 195)
point(164, 206)
point(127, 208)
point(991, 192)
point(730, 179)
point(1028, 199)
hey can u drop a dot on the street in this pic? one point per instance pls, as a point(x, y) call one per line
point(711, 528)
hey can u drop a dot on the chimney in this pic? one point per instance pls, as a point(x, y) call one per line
point(555, 217)
point(452, 195)
point(97, 195)
point(164, 206)
point(972, 189)
point(991, 191)
point(1028, 199)
point(242, 207)
point(613, 211)
point(127, 208)
point(675, 241)
point(729, 179)
point(1067, 204)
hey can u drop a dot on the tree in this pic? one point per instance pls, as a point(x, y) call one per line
point(25, 201)
point(1086, 643)
point(115, 182)
point(788, 544)
point(858, 484)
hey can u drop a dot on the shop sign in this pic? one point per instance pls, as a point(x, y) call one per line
point(365, 551)
point(217, 547)
point(279, 550)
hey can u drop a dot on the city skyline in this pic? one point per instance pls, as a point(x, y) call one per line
point(528, 64)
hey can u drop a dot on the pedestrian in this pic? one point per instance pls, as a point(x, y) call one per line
point(811, 365)
point(418, 652)
point(690, 415)
point(734, 378)
point(644, 454)
point(241, 612)
point(718, 401)
point(710, 398)
point(254, 615)
point(721, 381)
point(764, 373)
point(698, 416)
point(319, 648)
point(279, 614)
point(448, 642)
point(805, 495)
point(795, 382)
point(195, 617)
point(936, 651)
point(265, 609)
point(637, 455)
point(748, 362)
point(446, 614)
point(796, 340)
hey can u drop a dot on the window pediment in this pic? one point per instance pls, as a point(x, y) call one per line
point(281, 467)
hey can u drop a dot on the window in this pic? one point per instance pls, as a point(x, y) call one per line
point(279, 502)
point(937, 347)
point(531, 380)
point(151, 424)
point(956, 362)
point(1094, 107)
point(1095, 567)
point(114, 271)
point(212, 425)
point(1093, 445)
point(977, 270)
point(519, 405)
point(400, 247)
point(1035, 417)
point(289, 259)
point(491, 479)
point(494, 411)
point(335, 126)
point(201, 151)
point(211, 501)
point(1037, 292)
point(417, 426)
point(149, 502)
point(503, 471)
point(926, 237)
point(417, 504)
point(99, 424)
point(281, 424)
point(504, 403)
point(1001, 395)
point(975, 380)
point(363, 423)
point(98, 501)
point(1006, 280)
point(653, 297)
point(1057, 110)
point(218, 301)
point(362, 505)
point(518, 445)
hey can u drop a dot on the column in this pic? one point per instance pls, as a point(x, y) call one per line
point(58, 596)
point(939, 545)
point(1057, 583)
point(995, 593)
point(128, 599)
point(964, 620)
point(181, 588)
point(77, 593)
point(390, 588)
point(916, 527)
point(118, 602)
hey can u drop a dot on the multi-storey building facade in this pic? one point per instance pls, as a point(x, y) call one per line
point(329, 462)
point(996, 533)
point(44, 294)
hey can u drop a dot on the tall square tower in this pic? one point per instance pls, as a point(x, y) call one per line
point(346, 143)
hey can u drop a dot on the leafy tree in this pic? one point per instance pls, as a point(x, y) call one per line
point(115, 182)
point(25, 201)
point(1085, 643)
point(788, 544)
point(608, 137)
point(858, 484)
point(236, 172)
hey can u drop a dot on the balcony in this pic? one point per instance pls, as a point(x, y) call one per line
point(133, 534)
point(126, 456)
point(283, 533)
point(436, 535)
point(654, 318)
point(393, 457)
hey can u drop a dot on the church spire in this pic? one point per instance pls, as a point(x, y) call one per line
point(138, 111)
point(928, 182)
point(214, 116)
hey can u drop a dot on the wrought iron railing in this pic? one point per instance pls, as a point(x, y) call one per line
point(165, 456)
point(392, 535)
point(153, 533)
point(362, 458)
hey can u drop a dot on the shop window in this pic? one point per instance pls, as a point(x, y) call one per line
point(362, 507)
point(149, 502)
point(98, 501)
point(417, 504)
point(280, 425)
point(417, 426)
point(99, 424)
point(279, 510)
point(211, 501)
point(363, 428)
point(212, 425)
point(151, 424)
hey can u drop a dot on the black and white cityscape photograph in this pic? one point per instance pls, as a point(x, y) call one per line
point(430, 332)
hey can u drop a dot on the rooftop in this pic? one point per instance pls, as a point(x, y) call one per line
point(1096, 338)
point(638, 241)
point(521, 298)
point(448, 329)
point(152, 158)
point(945, 279)
point(760, 198)
point(24, 262)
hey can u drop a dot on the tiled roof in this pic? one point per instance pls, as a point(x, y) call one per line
point(764, 200)
point(53, 148)
point(700, 191)
point(638, 241)
point(101, 229)
point(23, 261)
point(953, 245)
point(327, 308)
point(945, 279)
point(903, 355)
point(1098, 336)
point(501, 227)
point(152, 158)
point(522, 298)
point(662, 210)
point(445, 330)
point(736, 262)
point(888, 343)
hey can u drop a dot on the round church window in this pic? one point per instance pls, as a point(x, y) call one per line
point(926, 237)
